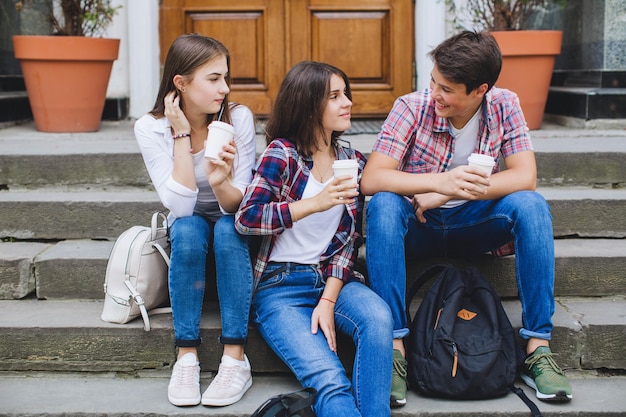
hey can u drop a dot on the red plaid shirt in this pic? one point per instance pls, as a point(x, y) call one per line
point(280, 178)
point(420, 140)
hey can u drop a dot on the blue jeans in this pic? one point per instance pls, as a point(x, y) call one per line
point(283, 307)
point(191, 240)
point(394, 235)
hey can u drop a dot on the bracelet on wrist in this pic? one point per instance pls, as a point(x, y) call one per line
point(328, 299)
point(181, 135)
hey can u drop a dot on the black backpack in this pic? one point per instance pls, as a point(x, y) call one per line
point(461, 343)
point(296, 404)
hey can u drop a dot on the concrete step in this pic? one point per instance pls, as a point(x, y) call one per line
point(68, 335)
point(72, 394)
point(58, 213)
point(75, 269)
point(31, 159)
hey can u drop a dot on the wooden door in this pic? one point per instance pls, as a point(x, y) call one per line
point(253, 32)
point(371, 40)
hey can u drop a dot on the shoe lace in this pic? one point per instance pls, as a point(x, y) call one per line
point(544, 362)
point(399, 368)
point(225, 375)
point(186, 375)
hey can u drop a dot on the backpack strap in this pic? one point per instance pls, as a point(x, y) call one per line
point(300, 404)
point(531, 405)
point(419, 282)
point(303, 402)
point(145, 314)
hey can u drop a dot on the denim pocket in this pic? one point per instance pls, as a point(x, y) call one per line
point(272, 277)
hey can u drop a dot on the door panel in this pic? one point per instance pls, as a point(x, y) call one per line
point(371, 40)
point(253, 32)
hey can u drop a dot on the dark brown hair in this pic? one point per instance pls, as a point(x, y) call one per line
point(186, 54)
point(300, 103)
point(469, 58)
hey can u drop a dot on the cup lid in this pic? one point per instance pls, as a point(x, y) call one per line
point(481, 158)
point(345, 162)
point(222, 125)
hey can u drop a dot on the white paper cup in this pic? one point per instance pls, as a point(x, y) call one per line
point(220, 134)
point(343, 167)
point(485, 162)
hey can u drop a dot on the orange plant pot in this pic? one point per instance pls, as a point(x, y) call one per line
point(527, 63)
point(66, 79)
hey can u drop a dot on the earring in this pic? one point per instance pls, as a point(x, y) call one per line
point(182, 90)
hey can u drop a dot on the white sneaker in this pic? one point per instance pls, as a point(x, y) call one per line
point(184, 387)
point(232, 381)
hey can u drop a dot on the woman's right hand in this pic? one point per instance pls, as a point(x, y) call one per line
point(336, 192)
point(175, 115)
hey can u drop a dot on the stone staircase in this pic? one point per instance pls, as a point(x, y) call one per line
point(64, 198)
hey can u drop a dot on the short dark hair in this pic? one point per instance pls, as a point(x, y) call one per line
point(469, 58)
point(300, 103)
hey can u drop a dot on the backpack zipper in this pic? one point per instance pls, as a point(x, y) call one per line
point(437, 319)
point(455, 362)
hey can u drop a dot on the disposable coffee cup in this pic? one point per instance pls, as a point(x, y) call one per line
point(484, 162)
point(220, 134)
point(343, 167)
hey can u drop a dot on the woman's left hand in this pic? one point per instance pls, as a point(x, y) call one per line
point(324, 318)
point(218, 170)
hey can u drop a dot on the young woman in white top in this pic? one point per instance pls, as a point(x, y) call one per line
point(202, 196)
point(310, 226)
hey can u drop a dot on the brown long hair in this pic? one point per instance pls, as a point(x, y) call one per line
point(186, 54)
point(300, 103)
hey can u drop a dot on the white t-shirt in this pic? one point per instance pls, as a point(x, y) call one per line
point(465, 140)
point(309, 238)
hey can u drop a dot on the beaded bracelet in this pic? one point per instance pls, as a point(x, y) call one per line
point(182, 135)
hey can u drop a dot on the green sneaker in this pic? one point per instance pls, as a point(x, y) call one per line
point(398, 380)
point(545, 376)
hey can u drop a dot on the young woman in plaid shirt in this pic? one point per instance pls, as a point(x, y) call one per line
point(310, 228)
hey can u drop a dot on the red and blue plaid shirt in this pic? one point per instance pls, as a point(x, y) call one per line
point(421, 142)
point(280, 177)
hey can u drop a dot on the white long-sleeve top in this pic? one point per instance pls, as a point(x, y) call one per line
point(157, 149)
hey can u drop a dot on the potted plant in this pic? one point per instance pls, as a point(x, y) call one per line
point(66, 75)
point(528, 55)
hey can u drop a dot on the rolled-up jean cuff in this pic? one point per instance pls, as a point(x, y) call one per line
point(188, 343)
point(400, 333)
point(232, 340)
point(526, 334)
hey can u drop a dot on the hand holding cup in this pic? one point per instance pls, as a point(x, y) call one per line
point(343, 167)
point(484, 162)
point(220, 135)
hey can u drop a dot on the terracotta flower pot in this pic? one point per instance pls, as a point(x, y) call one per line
point(66, 79)
point(527, 65)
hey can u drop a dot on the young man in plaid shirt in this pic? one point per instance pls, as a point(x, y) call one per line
point(428, 202)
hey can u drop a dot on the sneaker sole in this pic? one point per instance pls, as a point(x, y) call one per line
point(186, 402)
point(560, 396)
point(397, 403)
point(220, 402)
